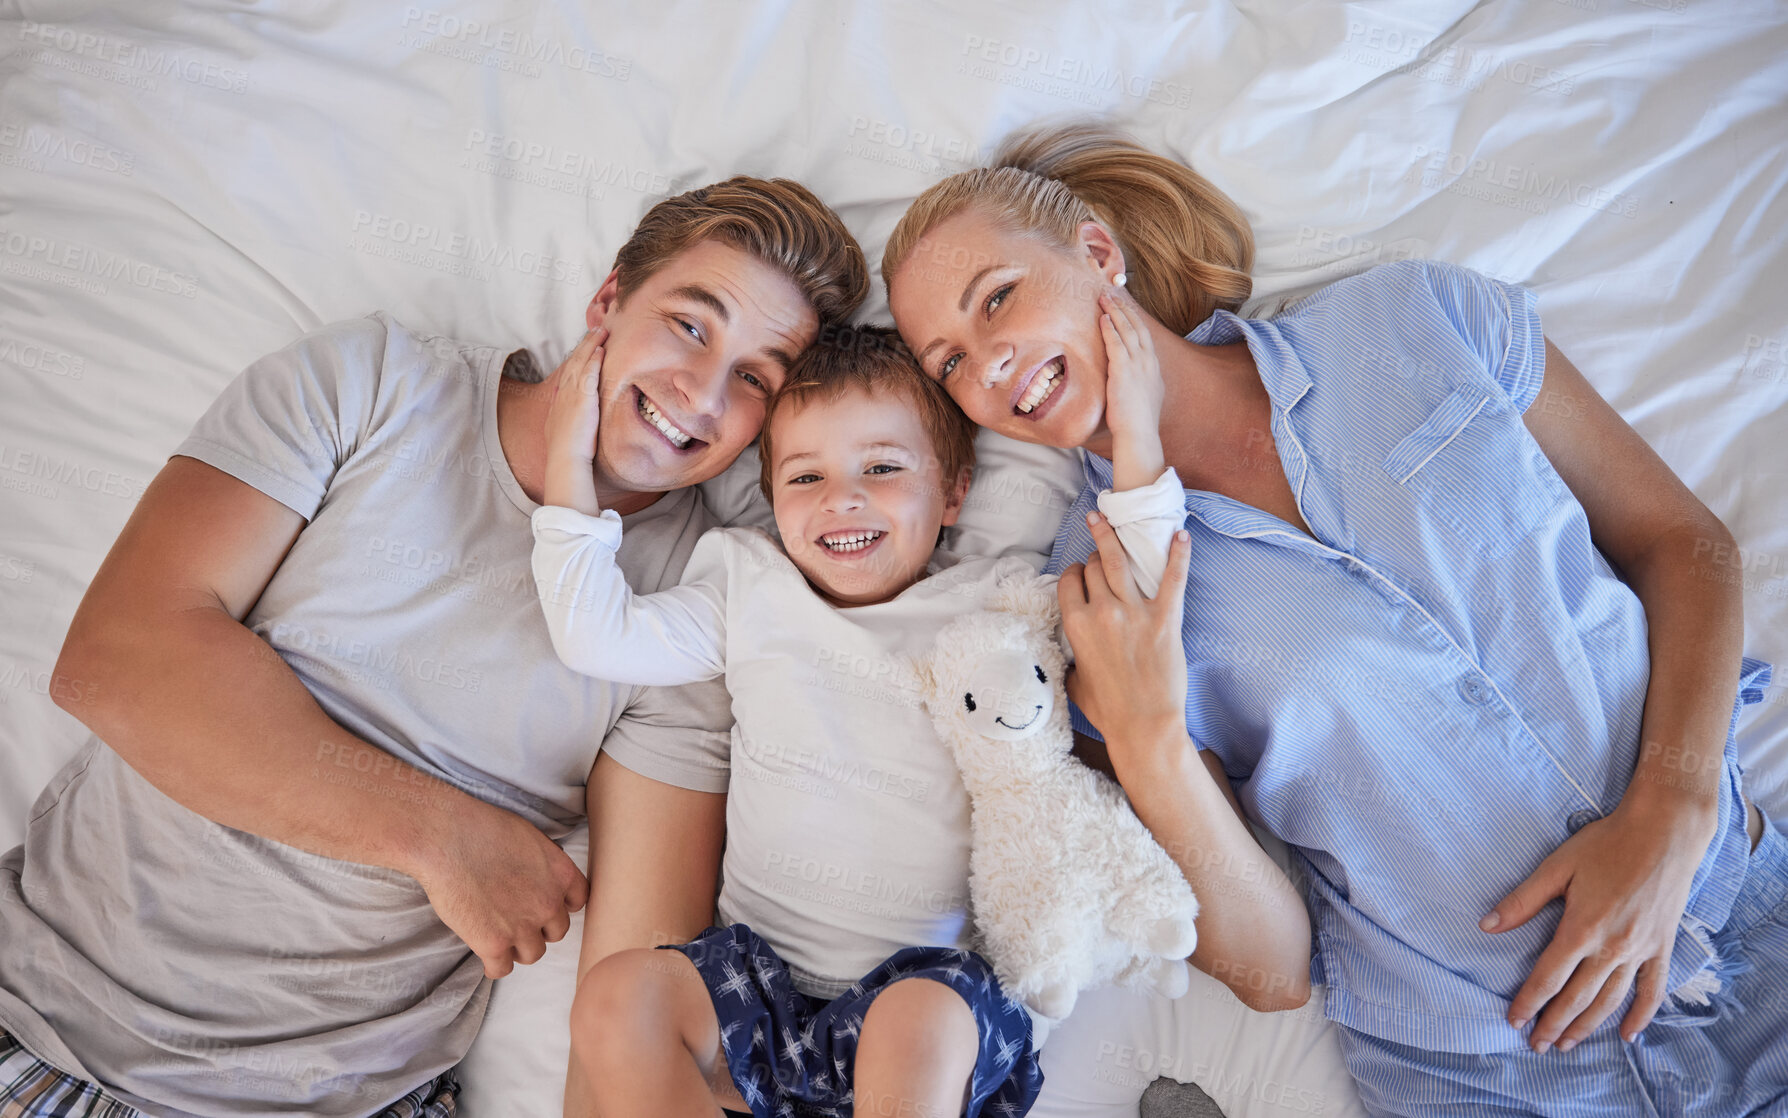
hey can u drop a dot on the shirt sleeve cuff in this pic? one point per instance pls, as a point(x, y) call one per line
point(1164, 497)
point(604, 528)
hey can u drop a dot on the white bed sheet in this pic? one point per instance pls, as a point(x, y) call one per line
point(184, 187)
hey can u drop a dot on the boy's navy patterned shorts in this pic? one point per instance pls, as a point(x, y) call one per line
point(792, 1056)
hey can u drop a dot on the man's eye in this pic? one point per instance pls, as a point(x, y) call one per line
point(998, 297)
point(949, 363)
point(752, 377)
point(689, 327)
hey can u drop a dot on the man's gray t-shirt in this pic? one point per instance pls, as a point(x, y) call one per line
point(188, 967)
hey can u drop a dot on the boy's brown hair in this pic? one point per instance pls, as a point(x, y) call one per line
point(871, 359)
point(778, 221)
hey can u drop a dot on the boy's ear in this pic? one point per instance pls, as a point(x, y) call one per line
point(956, 494)
point(602, 304)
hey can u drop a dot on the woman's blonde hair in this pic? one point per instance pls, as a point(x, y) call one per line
point(1187, 248)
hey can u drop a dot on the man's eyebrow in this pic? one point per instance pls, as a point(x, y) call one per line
point(780, 356)
point(696, 293)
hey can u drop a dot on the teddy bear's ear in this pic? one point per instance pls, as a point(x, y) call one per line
point(919, 671)
point(1030, 595)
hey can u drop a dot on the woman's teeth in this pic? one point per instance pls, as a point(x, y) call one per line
point(1041, 387)
point(674, 434)
point(850, 541)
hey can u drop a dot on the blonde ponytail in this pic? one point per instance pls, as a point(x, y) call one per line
point(1187, 248)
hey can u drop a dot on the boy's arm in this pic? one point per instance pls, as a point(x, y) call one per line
point(654, 873)
point(1146, 503)
point(601, 628)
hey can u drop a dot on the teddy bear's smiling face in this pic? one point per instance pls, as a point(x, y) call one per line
point(1008, 696)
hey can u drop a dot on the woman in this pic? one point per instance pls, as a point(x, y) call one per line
point(1403, 640)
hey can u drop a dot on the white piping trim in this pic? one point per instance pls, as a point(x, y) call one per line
point(1462, 425)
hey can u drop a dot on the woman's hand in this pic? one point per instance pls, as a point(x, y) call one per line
point(1133, 392)
point(1625, 882)
point(571, 423)
point(1129, 673)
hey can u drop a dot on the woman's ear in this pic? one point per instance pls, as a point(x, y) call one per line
point(1102, 249)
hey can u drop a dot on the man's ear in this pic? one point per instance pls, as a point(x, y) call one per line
point(1102, 248)
point(602, 304)
point(956, 494)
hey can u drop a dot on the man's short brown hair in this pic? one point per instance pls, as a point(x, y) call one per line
point(871, 359)
point(777, 221)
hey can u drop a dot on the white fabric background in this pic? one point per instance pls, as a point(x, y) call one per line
point(184, 187)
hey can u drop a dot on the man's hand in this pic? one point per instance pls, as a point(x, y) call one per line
point(1134, 392)
point(503, 887)
point(571, 424)
point(1625, 883)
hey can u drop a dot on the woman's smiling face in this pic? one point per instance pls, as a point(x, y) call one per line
point(1009, 324)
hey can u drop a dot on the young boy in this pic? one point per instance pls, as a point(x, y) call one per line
point(845, 877)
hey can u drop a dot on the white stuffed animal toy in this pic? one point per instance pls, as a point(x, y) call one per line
point(1069, 889)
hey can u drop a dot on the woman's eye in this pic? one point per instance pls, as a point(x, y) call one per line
point(949, 363)
point(998, 297)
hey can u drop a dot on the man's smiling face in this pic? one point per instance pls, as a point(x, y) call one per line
point(693, 354)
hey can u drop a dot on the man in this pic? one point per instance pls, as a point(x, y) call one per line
point(332, 745)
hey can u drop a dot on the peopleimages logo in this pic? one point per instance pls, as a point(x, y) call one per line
point(505, 48)
point(416, 238)
point(81, 266)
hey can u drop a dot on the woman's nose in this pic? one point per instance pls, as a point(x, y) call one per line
point(996, 365)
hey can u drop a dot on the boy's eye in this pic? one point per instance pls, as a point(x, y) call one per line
point(888, 467)
point(802, 478)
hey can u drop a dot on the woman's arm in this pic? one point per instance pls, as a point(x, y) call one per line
point(654, 873)
point(1625, 878)
point(1129, 678)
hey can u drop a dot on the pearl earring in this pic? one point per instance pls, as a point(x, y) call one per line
point(1120, 279)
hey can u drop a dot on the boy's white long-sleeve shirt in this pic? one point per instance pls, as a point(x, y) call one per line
point(847, 822)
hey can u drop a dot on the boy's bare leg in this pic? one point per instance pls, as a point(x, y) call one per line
point(917, 1052)
point(645, 1031)
point(654, 869)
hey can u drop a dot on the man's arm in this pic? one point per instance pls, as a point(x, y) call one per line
point(654, 873)
point(1625, 878)
point(215, 719)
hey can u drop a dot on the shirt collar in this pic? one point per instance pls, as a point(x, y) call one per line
point(1283, 374)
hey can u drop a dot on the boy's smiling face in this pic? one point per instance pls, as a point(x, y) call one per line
point(859, 494)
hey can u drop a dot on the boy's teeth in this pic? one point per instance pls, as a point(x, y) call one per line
point(1041, 387)
point(670, 432)
point(850, 541)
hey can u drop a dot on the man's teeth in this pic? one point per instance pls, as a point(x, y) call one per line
point(1041, 387)
point(671, 432)
point(851, 541)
